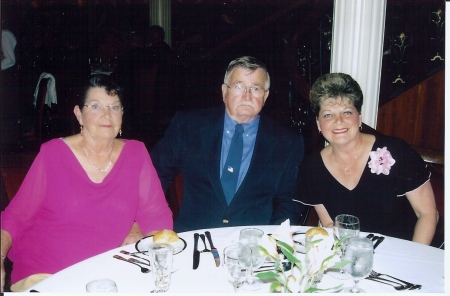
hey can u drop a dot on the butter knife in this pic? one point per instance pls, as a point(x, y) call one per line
point(196, 252)
point(379, 241)
point(213, 249)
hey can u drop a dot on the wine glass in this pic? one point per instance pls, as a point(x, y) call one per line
point(251, 237)
point(237, 262)
point(101, 286)
point(345, 226)
point(360, 254)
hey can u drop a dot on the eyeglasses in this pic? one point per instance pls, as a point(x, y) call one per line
point(240, 89)
point(97, 108)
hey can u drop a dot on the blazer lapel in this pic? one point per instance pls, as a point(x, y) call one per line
point(211, 135)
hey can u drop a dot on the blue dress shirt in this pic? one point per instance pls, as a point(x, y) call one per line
point(249, 137)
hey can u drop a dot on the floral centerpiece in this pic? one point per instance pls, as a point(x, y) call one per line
point(303, 270)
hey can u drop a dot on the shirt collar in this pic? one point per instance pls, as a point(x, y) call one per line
point(249, 127)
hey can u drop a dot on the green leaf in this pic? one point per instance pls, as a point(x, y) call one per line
point(313, 289)
point(290, 256)
point(341, 264)
point(283, 245)
point(275, 286)
point(266, 275)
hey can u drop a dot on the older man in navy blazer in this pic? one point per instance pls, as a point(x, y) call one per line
point(199, 142)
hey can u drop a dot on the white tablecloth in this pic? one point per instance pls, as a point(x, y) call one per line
point(406, 260)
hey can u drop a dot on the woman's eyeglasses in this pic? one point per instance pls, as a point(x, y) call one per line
point(97, 108)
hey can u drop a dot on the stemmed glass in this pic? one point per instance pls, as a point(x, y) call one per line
point(360, 254)
point(237, 262)
point(251, 237)
point(347, 226)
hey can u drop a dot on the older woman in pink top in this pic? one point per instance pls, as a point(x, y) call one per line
point(82, 195)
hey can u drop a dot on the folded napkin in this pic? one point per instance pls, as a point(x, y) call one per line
point(50, 97)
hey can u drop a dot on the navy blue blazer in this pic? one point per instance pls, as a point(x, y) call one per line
point(192, 144)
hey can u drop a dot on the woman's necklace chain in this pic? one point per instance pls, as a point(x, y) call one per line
point(91, 162)
point(348, 169)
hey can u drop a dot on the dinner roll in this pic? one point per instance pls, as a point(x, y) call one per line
point(315, 231)
point(165, 236)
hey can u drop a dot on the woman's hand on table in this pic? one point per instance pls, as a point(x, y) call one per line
point(133, 236)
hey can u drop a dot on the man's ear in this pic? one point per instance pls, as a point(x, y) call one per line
point(224, 91)
point(266, 95)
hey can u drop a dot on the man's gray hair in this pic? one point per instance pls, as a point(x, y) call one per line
point(249, 63)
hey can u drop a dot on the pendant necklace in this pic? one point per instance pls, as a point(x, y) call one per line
point(90, 161)
point(348, 169)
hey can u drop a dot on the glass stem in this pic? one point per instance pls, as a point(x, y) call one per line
point(250, 276)
point(355, 287)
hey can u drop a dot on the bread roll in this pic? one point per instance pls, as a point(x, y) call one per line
point(315, 231)
point(165, 237)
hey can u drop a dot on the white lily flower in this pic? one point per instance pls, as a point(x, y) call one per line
point(319, 252)
point(268, 243)
point(293, 284)
point(283, 233)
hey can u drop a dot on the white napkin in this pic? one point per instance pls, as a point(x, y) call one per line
point(50, 97)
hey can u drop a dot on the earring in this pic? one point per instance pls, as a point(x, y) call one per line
point(360, 127)
point(81, 130)
point(120, 133)
point(320, 131)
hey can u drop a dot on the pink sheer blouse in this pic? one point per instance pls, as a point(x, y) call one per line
point(60, 217)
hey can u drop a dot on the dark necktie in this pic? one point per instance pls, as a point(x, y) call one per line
point(232, 166)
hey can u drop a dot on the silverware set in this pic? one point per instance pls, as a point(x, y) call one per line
point(377, 239)
point(213, 250)
point(396, 283)
point(135, 262)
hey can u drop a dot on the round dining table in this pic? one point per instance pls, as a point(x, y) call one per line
point(406, 260)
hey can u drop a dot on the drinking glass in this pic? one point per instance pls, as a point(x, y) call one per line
point(101, 286)
point(161, 261)
point(345, 225)
point(360, 253)
point(237, 262)
point(251, 237)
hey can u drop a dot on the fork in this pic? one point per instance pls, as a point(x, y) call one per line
point(373, 273)
point(397, 287)
point(134, 255)
point(202, 236)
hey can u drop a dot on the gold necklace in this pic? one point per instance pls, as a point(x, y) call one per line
point(348, 169)
point(91, 162)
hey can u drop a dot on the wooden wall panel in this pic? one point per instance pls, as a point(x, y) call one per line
point(417, 115)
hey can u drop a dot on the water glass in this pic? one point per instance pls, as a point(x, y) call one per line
point(251, 237)
point(360, 254)
point(161, 256)
point(236, 263)
point(346, 225)
point(101, 286)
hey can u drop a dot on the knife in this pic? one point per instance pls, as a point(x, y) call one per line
point(196, 251)
point(379, 241)
point(213, 249)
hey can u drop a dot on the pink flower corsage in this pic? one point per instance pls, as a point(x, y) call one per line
point(381, 161)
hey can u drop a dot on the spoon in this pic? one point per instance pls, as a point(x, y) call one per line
point(143, 269)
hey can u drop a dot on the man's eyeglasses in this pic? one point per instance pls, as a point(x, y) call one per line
point(240, 89)
point(97, 108)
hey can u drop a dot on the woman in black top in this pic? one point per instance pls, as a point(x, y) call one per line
point(361, 174)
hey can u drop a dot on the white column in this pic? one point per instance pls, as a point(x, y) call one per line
point(357, 48)
point(160, 14)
